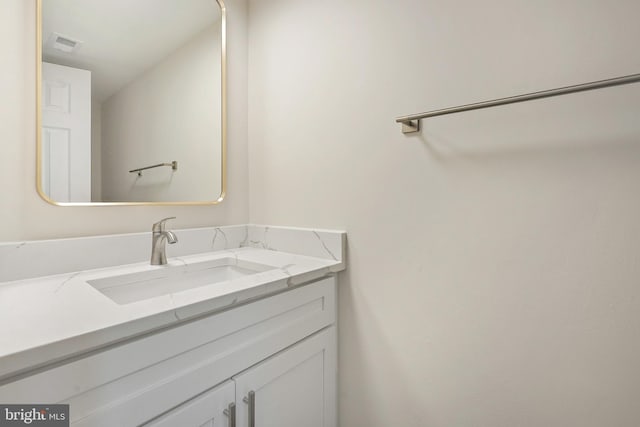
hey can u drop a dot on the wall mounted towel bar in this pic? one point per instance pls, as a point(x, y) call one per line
point(411, 123)
point(174, 166)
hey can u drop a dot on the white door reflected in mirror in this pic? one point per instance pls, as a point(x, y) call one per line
point(152, 93)
point(66, 133)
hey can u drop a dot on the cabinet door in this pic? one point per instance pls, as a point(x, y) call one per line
point(206, 410)
point(294, 388)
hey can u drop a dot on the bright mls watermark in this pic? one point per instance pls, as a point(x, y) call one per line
point(34, 415)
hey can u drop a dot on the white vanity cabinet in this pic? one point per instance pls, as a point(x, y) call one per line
point(273, 358)
point(294, 388)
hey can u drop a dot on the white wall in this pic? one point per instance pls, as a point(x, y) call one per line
point(23, 215)
point(493, 259)
point(169, 113)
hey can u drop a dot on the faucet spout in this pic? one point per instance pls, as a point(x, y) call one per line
point(171, 237)
point(159, 238)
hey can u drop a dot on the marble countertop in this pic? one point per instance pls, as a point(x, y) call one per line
point(48, 319)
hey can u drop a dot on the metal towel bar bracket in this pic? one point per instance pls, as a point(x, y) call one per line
point(174, 166)
point(411, 123)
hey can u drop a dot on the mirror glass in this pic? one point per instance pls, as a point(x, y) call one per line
point(131, 101)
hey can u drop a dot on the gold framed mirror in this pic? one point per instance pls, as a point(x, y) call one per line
point(131, 102)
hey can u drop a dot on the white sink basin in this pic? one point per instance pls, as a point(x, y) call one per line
point(132, 287)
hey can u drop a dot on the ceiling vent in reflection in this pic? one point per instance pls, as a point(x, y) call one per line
point(63, 43)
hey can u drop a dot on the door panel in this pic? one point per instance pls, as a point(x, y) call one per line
point(294, 396)
point(56, 145)
point(292, 389)
point(66, 133)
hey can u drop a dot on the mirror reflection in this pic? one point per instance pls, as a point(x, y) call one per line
point(131, 101)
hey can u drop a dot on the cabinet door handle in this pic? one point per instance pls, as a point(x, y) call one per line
point(251, 401)
point(231, 413)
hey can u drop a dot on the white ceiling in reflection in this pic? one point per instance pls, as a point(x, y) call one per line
point(122, 38)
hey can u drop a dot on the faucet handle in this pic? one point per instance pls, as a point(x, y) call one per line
point(159, 226)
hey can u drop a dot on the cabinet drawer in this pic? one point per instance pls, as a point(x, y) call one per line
point(173, 365)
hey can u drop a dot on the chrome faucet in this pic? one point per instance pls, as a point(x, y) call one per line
point(160, 236)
